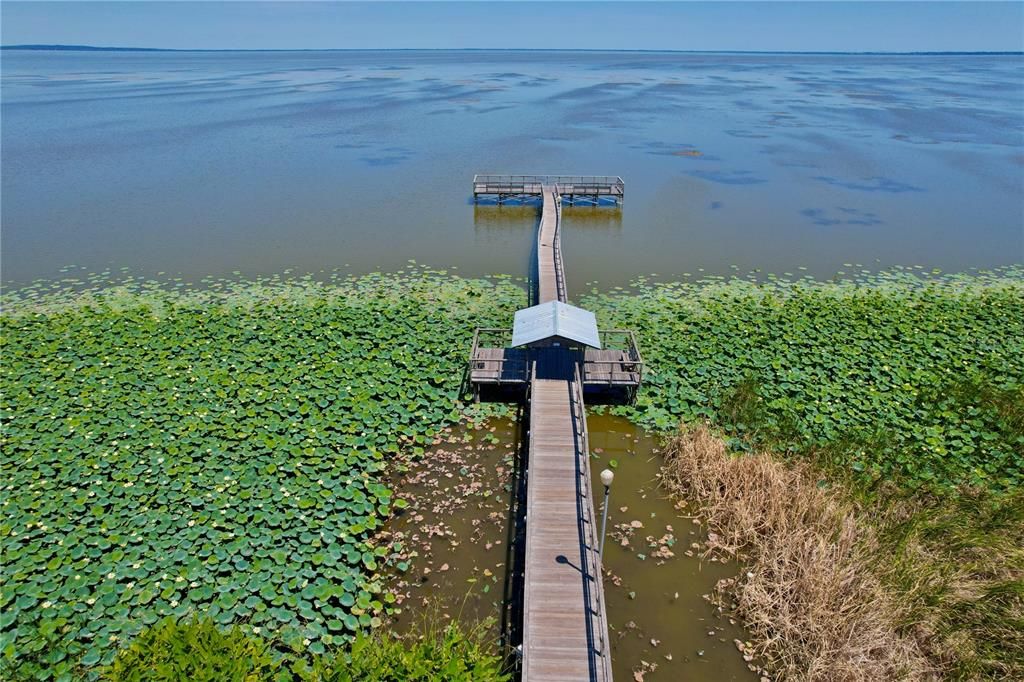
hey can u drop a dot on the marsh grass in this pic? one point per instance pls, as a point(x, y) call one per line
point(814, 610)
point(958, 566)
point(855, 584)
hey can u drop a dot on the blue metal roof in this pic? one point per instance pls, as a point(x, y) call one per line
point(555, 319)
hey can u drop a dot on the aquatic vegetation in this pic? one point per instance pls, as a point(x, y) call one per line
point(197, 650)
point(449, 654)
point(225, 450)
point(221, 451)
point(896, 376)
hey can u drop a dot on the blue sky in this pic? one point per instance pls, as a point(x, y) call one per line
point(624, 24)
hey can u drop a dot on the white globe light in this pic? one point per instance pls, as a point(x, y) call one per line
point(607, 476)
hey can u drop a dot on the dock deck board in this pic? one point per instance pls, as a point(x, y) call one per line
point(499, 366)
point(564, 630)
point(549, 263)
point(511, 366)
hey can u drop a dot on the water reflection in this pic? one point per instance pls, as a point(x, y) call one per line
point(521, 216)
point(593, 218)
point(507, 216)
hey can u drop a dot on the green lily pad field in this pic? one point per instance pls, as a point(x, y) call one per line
point(895, 376)
point(221, 451)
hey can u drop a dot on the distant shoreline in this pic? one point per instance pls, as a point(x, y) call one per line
point(94, 48)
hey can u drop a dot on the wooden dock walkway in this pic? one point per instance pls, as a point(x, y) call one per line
point(564, 623)
point(550, 275)
point(565, 630)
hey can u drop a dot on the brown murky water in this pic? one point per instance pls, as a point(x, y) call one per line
point(458, 525)
point(455, 530)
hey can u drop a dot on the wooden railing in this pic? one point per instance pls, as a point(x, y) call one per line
point(504, 337)
point(526, 521)
point(594, 566)
point(597, 185)
point(634, 361)
point(481, 178)
point(560, 289)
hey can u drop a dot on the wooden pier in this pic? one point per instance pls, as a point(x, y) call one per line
point(610, 374)
point(564, 624)
point(586, 189)
point(550, 274)
point(565, 628)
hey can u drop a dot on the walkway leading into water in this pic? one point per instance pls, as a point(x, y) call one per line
point(565, 631)
point(550, 274)
point(564, 624)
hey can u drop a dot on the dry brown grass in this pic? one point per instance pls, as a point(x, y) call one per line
point(810, 596)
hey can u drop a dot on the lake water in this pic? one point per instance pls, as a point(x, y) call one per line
point(456, 532)
point(209, 163)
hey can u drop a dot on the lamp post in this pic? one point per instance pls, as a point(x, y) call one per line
point(607, 476)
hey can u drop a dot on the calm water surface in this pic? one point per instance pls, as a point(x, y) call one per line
point(458, 526)
point(208, 163)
